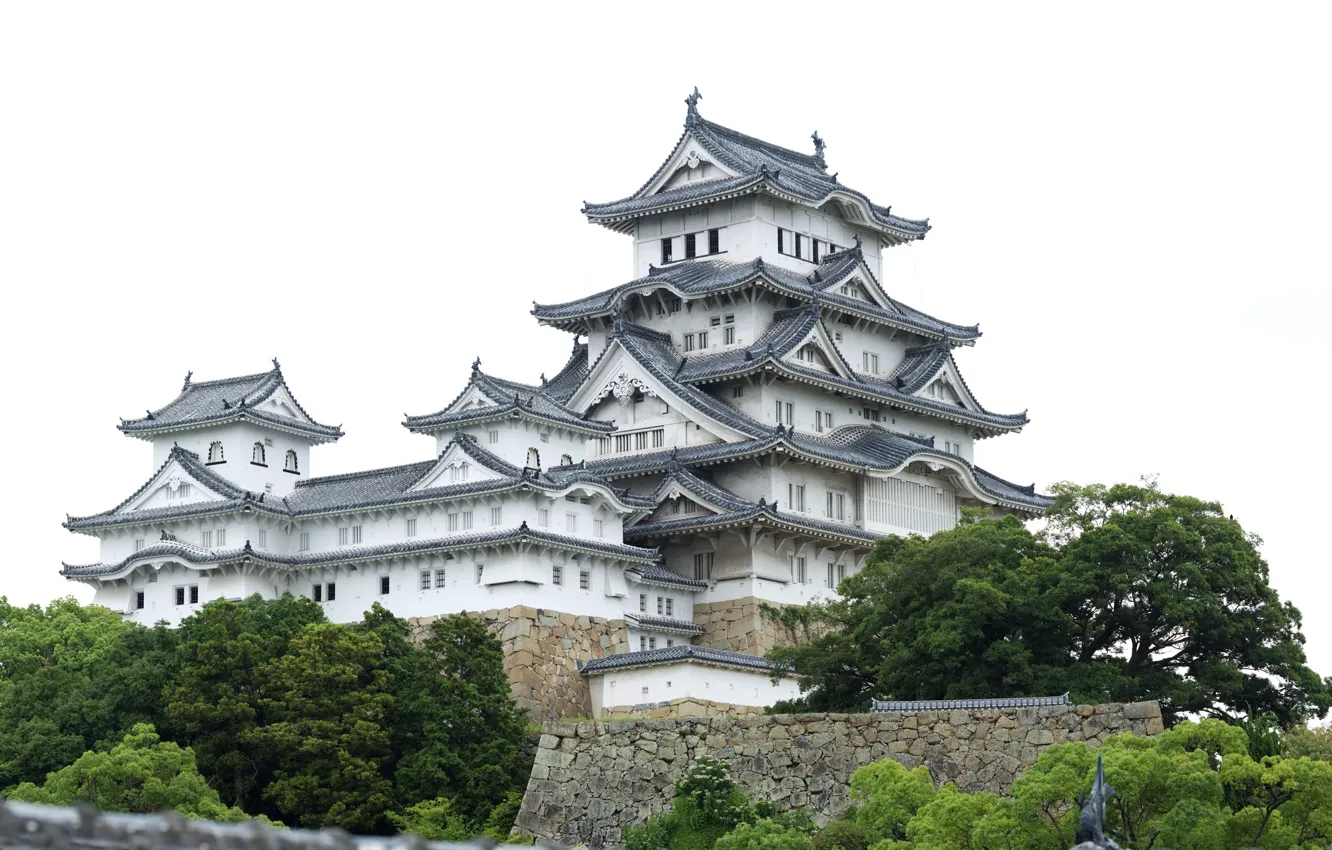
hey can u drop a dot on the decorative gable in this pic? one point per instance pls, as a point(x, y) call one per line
point(455, 466)
point(690, 163)
point(172, 487)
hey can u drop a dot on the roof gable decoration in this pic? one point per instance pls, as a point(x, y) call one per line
point(623, 387)
point(455, 466)
point(947, 386)
point(174, 485)
point(818, 350)
point(689, 163)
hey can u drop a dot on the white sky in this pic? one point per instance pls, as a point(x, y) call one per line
point(1134, 205)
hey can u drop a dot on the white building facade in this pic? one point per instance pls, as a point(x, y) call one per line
point(737, 424)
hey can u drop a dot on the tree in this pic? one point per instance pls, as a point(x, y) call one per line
point(73, 678)
point(142, 773)
point(326, 702)
point(764, 834)
point(1130, 594)
point(889, 796)
point(216, 697)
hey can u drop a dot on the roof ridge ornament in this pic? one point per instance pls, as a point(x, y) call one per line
point(188, 375)
point(819, 145)
point(476, 365)
point(691, 117)
point(277, 367)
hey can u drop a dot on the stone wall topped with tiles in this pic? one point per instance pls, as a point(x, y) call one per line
point(542, 650)
point(592, 779)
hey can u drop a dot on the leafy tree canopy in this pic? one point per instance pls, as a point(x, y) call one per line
point(1129, 594)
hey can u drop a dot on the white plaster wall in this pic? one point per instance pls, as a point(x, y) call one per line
point(516, 436)
point(238, 439)
point(662, 682)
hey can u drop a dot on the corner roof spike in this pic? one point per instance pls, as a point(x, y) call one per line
point(819, 145)
point(855, 237)
point(188, 375)
point(277, 367)
point(691, 118)
point(617, 316)
point(476, 365)
point(150, 415)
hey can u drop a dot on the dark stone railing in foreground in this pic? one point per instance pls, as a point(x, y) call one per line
point(24, 826)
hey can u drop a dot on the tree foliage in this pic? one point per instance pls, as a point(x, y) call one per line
point(1129, 594)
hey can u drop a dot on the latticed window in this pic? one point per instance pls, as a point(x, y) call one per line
point(258, 456)
point(291, 463)
point(215, 452)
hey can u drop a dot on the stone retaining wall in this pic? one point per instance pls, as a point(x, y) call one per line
point(542, 649)
point(592, 779)
point(739, 625)
point(682, 707)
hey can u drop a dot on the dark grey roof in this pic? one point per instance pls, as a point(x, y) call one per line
point(190, 553)
point(761, 513)
point(227, 400)
point(665, 624)
point(699, 278)
point(511, 398)
point(947, 704)
point(758, 166)
point(29, 826)
point(859, 447)
point(658, 574)
point(700, 488)
point(679, 652)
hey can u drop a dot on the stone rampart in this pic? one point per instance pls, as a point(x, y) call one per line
point(592, 779)
point(681, 707)
point(542, 649)
point(739, 625)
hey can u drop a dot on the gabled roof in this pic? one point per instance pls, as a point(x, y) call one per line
point(664, 624)
point(512, 399)
point(681, 478)
point(700, 278)
point(201, 557)
point(753, 166)
point(759, 513)
point(679, 652)
point(229, 400)
point(660, 575)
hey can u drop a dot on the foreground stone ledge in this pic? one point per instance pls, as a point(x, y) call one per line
point(595, 778)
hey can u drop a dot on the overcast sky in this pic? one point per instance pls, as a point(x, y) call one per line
point(1134, 205)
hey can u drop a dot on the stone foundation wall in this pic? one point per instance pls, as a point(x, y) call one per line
point(593, 779)
point(682, 707)
point(542, 649)
point(738, 625)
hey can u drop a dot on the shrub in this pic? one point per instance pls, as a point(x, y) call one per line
point(764, 834)
point(841, 834)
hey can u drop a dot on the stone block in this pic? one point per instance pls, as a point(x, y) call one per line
point(1142, 710)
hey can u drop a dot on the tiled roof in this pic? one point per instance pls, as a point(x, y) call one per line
point(197, 555)
point(679, 652)
point(511, 398)
point(698, 278)
point(665, 624)
point(948, 704)
point(213, 402)
point(700, 488)
point(658, 574)
point(760, 513)
point(758, 166)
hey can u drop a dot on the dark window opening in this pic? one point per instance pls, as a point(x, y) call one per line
point(714, 241)
point(319, 593)
point(383, 585)
point(665, 250)
point(690, 246)
point(798, 240)
point(781, 241)
point(180, 596)
point(332, 591)
point(815, 246)
point(138, 599)
point(194, 594)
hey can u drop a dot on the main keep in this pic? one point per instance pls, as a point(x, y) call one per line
point(736, 425)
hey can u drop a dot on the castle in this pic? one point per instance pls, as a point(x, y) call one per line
point(736, 425)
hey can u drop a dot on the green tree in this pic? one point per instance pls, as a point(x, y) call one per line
point(764, 834)
point(326, 702)
point(215, 700)
point(142, 773)
point(73, 678)
point(433, 820)
point(706, 806)
point(888, 796)
point(1130, 594)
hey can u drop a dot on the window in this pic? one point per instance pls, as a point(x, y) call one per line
point(557, 575)
point(642, 646)
point(411, 527)
point(458, 473)
point(480, 572)
point(871, 363)
point(290, 463)
point(642, 602)
point(222, 537)
point(305, 541)
point(440, 576)
point(330, 591)
point(317, 593)
point(714, 241)
point(673, 304)
point(356, 534)
point(152, 577)
point(543, 518)
point(703, 566)
point(268, 441)
point(799, 246)
point(652, 644)
point(268, 489)
point(814, 250)
point(494, 437)
point(688, 342)
point(870, 413)
point(496, 516)
point(215, 452)
point(383, 585)
point(180, 596)
point(781, 241)
point(669, 643)
point(584, 580)
point(183, 491)
point(257, 455)
point(263, 538)
point(714, 322)
point(194, 594)
point(790, 414)
point(343, 536)
point(795, 497)
point(571, 522)
point(690, 253)
point(466, 520)
point(622, 442)
point(661, 606)
point(666, 251)
point(818, 421)
point(138, 544)
point(206, 539)
point(841, 572)
point(737, 392)
point(728, 335)
point(453, 522)
point(798, 571)
point(836, 505)
point(702, 339)
point(597, 528)
point(425, 579)
point(670, 607)
point(831, 582)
